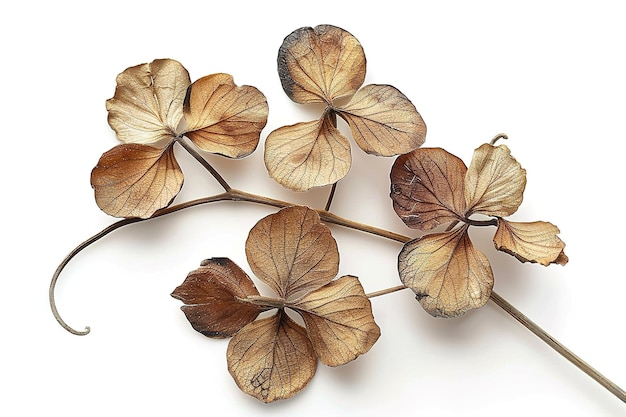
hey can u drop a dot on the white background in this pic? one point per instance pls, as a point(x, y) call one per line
point(549, 74)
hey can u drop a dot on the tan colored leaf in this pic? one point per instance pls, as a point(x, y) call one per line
point(223, 118)
point(272, 358)
point(339, 321)
point(427, 188)
point(530, 242)
point(307, 155)
point(447, 274)
point(495, 182)
point(148, 103)
point(383, 121)
point(320, 64)
point(292, 252)
point(212, 294)
point(133, 180)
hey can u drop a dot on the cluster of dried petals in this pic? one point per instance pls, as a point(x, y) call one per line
point(156, 104)
point(321, 65)
point(274, 357)
point(431, 187)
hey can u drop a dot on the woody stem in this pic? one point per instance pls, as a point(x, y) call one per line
point(557, 346)
point(236, 195)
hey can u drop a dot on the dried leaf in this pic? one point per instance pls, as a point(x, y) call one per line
point(134, 180)
point(223, 118)
point(212, 295)
point(446, 272)
point(307, 155)
point(148, 103)
point(427, 188)
point(383, 121)
point(292, 252)
point(272, 358)
point(320, 64)
point(495, 182)
point(530, 242)
point(339, 321)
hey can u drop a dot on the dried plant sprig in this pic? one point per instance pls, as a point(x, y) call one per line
point(154, 106)
point(274, 357)
point(321, 65)
point(139, 179)
point(431, 187)
point(330, 218)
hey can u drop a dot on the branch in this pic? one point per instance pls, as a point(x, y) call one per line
point(557, 346)
point(237, 195)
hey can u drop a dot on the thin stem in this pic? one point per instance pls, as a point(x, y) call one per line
point(93, 239)
point(498, 137)
point(236, 195)
point(488, 222)
point(557, 346)
point(65, 261)
point(330, 196)
point(333, 119)
point(385, 291)
point(230, 195)
point(193, 152)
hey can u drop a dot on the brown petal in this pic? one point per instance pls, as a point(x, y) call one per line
point(320, 64)
point(339, 321)
point(212, 294)
point(448, 275)
point(427, 188)
point(148, 103)
point(307, 155)
point(271, 358)
point(530, 242)
point(383, 121)
point(495, 182)
point(292, 252)
point(223, 118)
point(133, 180)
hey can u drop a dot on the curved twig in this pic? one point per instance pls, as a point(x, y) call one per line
point(498, 137)
point(237, 195)
point(230, 195)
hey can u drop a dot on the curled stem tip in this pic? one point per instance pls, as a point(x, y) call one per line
point(68, 258)
point(53, 306)
point(498, 137)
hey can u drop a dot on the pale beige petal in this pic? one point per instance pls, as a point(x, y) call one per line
point(272, 358)
point(530, 242)
point(339, 321)
point(320, 64)
point(292, 252)
point(446, 272)
point(133, 180)
point(383, 121)
point(307, 155)
point(495, 182)
point(223, 118)
point(148, 103)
